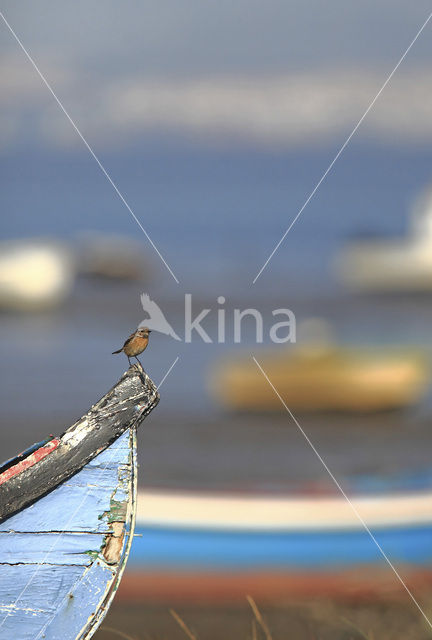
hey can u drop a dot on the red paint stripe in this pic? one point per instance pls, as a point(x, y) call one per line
point(366, 583)
point(28, 462)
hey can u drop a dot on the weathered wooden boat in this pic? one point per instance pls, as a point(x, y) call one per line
point(67, 514)
point(323, 378)
point(220, 547)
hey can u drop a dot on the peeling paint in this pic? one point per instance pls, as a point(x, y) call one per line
point(117, 512)
point(70, 600)
point(29, 460)
point(81, 443)
point(114, 543)
point(89, 598)
point(77, 433)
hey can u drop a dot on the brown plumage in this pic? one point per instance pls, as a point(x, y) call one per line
point(135, 344)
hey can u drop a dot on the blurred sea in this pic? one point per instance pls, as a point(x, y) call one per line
point(215, 216)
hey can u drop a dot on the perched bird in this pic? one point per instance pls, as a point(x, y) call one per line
point(136, 343)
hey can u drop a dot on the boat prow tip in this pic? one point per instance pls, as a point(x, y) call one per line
point(35, 474)
point(137, 370)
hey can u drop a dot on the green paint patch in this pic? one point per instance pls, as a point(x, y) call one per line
point(117, 512)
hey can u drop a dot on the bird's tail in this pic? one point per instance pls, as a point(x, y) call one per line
point(119, 351)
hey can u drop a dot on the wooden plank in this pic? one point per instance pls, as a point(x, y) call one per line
point(24, 611)
point(86, 599)
point(49, 548)
point(53, 614)
point(88, 495)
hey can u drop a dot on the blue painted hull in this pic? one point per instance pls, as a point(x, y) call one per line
point(55, 580)
point(67, 516)
point(200, 550)
point(196, 547)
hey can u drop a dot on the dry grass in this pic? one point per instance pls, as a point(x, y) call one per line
point(312, 620)
point(262, 623)
point(182, 624)
point(117, 632)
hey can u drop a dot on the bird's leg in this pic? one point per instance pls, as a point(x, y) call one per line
point(130, 363)
point(136, 358)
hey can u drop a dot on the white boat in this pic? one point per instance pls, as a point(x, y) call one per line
point(34, 274)
point(404, 264)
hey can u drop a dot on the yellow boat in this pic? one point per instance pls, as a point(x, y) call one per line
point(323, 379)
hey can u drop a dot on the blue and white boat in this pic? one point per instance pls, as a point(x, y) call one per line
point(207, 546)
point(67, 514)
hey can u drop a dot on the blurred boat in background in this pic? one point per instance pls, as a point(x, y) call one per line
point(112, 256)
point(393, 265)
point(220, 547)
point(323, 378)
point(38, 275)
point(35, 274)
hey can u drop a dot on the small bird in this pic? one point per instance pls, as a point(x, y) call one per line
point(135, 344)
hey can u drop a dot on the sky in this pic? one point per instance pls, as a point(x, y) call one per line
point(273, 73)
point(196, 36)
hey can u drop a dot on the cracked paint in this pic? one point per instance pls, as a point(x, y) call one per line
point(62, 556)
